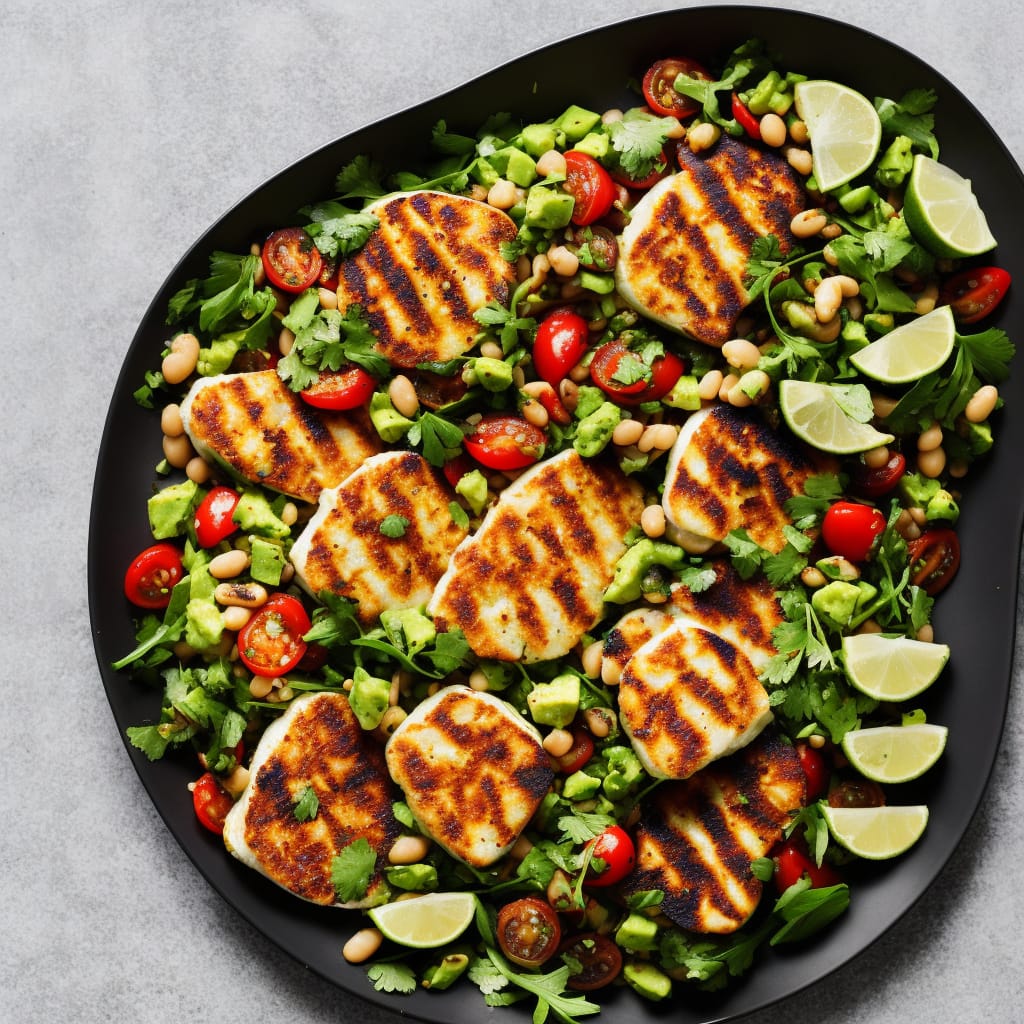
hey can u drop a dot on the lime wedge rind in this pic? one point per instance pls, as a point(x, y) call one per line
point(911, 351)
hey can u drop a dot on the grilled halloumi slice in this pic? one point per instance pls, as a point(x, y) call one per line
point(697, 837)
point(317, 743)
point(688, 697)
point(260, 430)
point(529, 583)
point(430, 264)
point(473, 772)
point(683, 256)
point(343, 550)
point(729, 470)
point(631, 632)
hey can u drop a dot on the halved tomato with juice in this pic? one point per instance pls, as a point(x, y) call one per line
point(340, 389)
point(270, 643)
point(590, 186)
point(291, 260)
point(501, 441)
point(659, 86)
point(621, 373)
point(151, 576)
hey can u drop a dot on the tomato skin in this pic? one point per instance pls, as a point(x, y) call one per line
point(455, 469)
point(665, 371)
point(211, 803)
point(213, 520)
point(590, 185)
point(792, 862)
point(501, 441)
point(748, 122)
point(874, 482)
point(934, 560)
point(581, 751)
point(658, 90)
point(559, 345)
point(849, 529)
point(857, 793)
point(529, 931)
point(270, 643)
point(291, 260)
point(616, 849)
point(815, 768)
point(659, 171)
point(973, 294)
point(151, 576)
point(599, 959)
point(340, 389)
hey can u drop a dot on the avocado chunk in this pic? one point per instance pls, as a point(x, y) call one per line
point(917, 490)
point(595, 144)
point(595, 431)
point(547, 208)
point(520, 169)
point(217, 358)
point(839, 602)
point(483, 172)
point(684, 394)
point(473, 487)
point(254, 515)
point(600, 284)
point(204, 623)
point(409, 629)
point(637, 934)
point(555, 703)
point(537, 139)
point(387, 420)
point(267, 561)
point(413, 877)
point(447, 972)
point(624, 771)
point(942, 507)
point(576, 121)
point(172, 509)
point(368, 698)
point(580, 786)
point(492, 374)
point(646, 980)
point(627, 583)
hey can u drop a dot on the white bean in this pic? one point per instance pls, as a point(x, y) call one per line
point(362, 945)
point(982, 404)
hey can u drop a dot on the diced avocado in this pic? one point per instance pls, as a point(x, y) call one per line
point(896, 163)
point(624, 771)
point(917, 490)
point(369, 698)
point(855, 199)
point(684, 394)
point(409, 629)
point(576, 122)
point(557, 702)
point(388, 421)
point(473, 487)
point(854, 335)
point(492, 374)
point(942, 507)
point(253, 514)
point(600, 284)
point(839, 602)
point(520, 169)
point(637, 933)
point(268, 561)
point(646, 980)
point(413, 877)
point(172, 510)
point(879, 323)
point(588, 400)
point(630, 569)
point(204, 623)
point(537, 139)
point(200, 583)
point(217, 358)
point(595, 431)
point(580, 786)
point(547, 208)
point(444, 974)
point(595, 144)
point(483, 172)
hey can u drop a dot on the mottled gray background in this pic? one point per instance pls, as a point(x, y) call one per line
point(125, 129)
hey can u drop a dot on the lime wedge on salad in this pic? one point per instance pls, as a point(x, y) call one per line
point(892, 668)
point(426, 921)
point(844, 129)
point(943, 213)
point(815, 414)
point(876, 833)
point(911, 351)
point(895, 753)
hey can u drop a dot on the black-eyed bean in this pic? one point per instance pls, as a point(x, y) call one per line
point(241, 595)
point(876, 458)
point(535, 413)
point(799, 159)
point(409, 850)
point(652, 521)
point(807, 223)
point(702, 136)
point(260, 687)
point(741, 354)
point(611, 672)
point(198, 470)
point(710, 385)
point(828, 297)
point(627, 432)
point(558, 742)
point(591, 659)
point(932, 463)
point(598, 722)
point(798, 133)
point(181, 361)
point(930, 439)
point(982, 404)
point(328, 298)
point(235, 617)
point(729, 381)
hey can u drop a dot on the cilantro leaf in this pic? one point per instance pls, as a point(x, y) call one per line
point(307, 805)
point(766, 257)
point(394, 526)
point(438, 439)
point(990, 353)
point(912, 116)
point(639, 141)
point(582, 826)
point(697, 579)
point(339, 232)
point(548, 988)
point(747, 554)
point(360, 179)
point(352, 870)
point(392, 977)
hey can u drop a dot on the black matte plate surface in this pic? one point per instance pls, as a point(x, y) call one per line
point(976, 616)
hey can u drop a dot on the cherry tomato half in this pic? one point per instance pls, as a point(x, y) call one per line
point(590, 186)
point(616, 370)
point(815, 769)
point(270, 643)
point(615, 848)
point(658, 171)
point(748, 122)
point(291, 259)
point(849, 529)
point(581, 751)
point(151, 576)
point(213, 519)
point(659, 86)
point(559, 345)
point(594, 961)
point(597, 249)
point(873, 482)
point(328, 277)
point(857, 793)
point(529, 932)
point(211, 803)
point(792, 862)
point(340, 389)
point(973, 294)
point(934, 560)
point(500, 441)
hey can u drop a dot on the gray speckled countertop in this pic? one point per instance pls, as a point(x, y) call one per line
point(125, 129)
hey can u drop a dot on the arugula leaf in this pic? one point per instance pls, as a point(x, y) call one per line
point(806, 910)
point(548, 988)
point(352, 870)
point(335, 622)
point(449, 652)
point(450, 143)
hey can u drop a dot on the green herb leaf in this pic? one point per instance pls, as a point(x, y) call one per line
point(352, 870)
point(394, 526)
point(392, 976)
point(307, 805)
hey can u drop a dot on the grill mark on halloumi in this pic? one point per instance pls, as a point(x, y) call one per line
point(317, 742)
point(697, 837)
point(432, 261)
point(262, 431)
point(343, 550)
point(473, 772)
point(530, 582)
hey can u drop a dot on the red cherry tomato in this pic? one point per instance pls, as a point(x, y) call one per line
point(792, 862)
point(270, 643)
point(873, 482)
point(560, 343)
point(340, 389)
point(529, 932)
point(615, 848)
point(850, 529)
point(973, 294)
point(590, 185)
point(151, 576)
point(748, 122)
point(211, 803)
point(291, 260)
point(934, 560)
point(815, 768)
point(581, 751)
point(857, 793)
point(658, 171)
point(615, 370)
point(455, 469)
point(659, 91)
point(328, 273)
point(597, 249)
point(213, 519)
point(501, 441)
point(594, 961)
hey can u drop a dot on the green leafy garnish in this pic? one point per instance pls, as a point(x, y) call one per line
point(352, 870)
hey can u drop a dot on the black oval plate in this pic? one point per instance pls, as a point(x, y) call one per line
point(971, 697)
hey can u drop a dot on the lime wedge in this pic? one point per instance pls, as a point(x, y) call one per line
point(844, 129)
point(876, 833)
point(911, 351)
point(426, 921)
point(894, 753)
point(892, 668)
point(813, 413)
point(942, 211)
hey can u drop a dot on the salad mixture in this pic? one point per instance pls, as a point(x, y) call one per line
point(833, 335)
